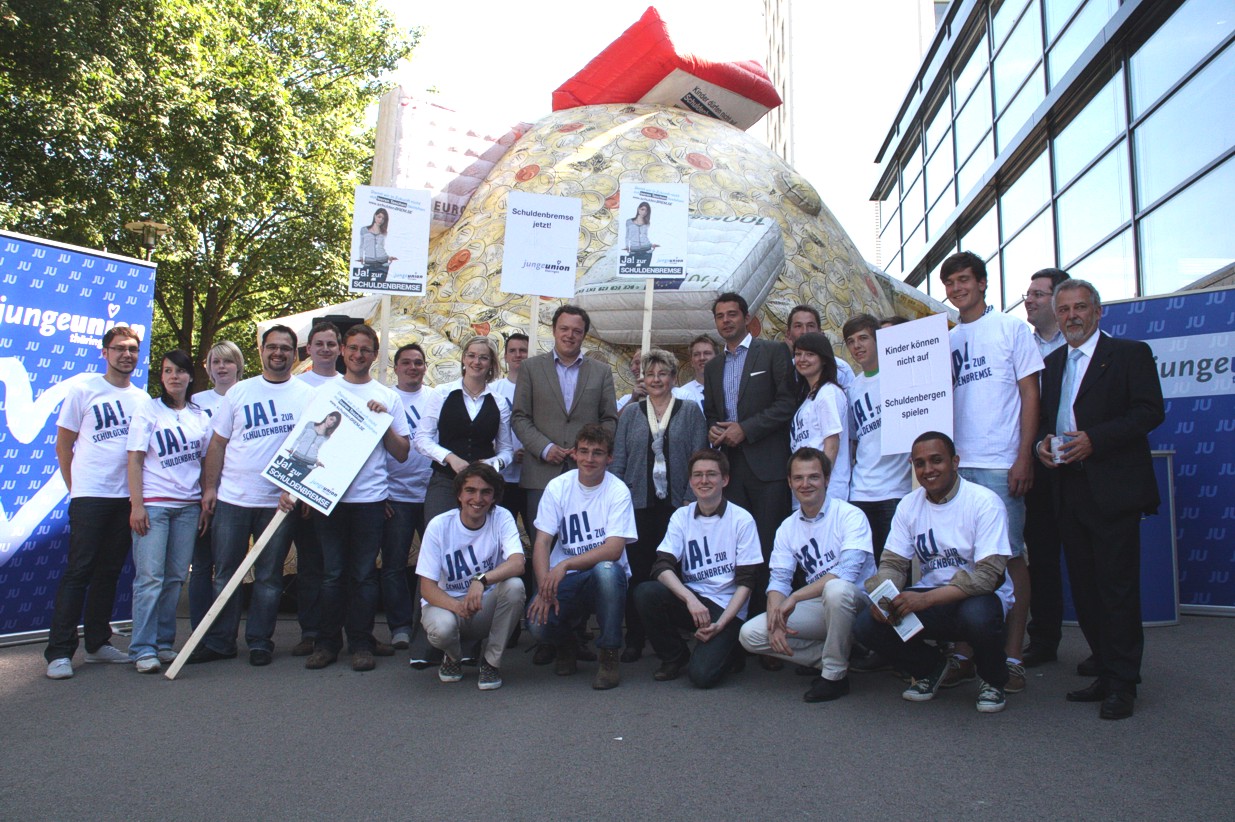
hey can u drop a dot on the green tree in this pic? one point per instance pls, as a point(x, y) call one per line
point(240, 123)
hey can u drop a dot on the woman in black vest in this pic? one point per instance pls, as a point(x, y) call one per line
point(464, 423)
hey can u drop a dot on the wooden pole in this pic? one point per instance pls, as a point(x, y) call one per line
point(383, 340)
point(533, 325)
point(647, 316)
point(228, 591)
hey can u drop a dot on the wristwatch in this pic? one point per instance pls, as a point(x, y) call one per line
point(481, 579)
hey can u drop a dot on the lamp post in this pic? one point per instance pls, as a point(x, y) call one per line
point(150, 232)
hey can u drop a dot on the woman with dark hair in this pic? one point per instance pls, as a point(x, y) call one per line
point(302, 455)
point(373, 244)
point(822, 420)
point(651, 451)
point(638, 245)
point(167, 438)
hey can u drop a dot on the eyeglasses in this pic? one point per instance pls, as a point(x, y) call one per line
point(124, 349)
point(1036, 295)
point(355, 349)
point(705, 475)
point(272, 348)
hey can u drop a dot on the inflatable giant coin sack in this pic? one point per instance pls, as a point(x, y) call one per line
point(756, 227)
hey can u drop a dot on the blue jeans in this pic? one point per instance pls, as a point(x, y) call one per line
point(309, 573)
point(600, 589)
point(160, 563)
point(665, 616)
point(231, 530)
point(976, 620)
point(996, 479)
point(407, 519)
point(351, 538)
point(99, 540)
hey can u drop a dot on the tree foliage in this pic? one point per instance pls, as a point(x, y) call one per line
point(237, 122)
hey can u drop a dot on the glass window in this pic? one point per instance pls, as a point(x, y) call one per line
point(1190, 235)
point(939, 124)
point(1032, 249)
point(1019, 111)
point(1003, 17)
point(1025, 197)
point(974, 120)
point(889, 216)
point(1111, 268)
point(972, 69)
point(937, 218)
point(994, 283)
point(983, 238)
point(1020, 54)
point(1189, 130)
point(894, 267)
point(1100, 122)
point(939, 173)
point(971, 173)
point(912, 165)
point(1192, 31)
point(1078, 37)
point(915, 243)
point(1057, 14)
point(1096, 204)
point(913, 206)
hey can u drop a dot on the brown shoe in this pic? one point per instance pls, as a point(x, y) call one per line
point(567, 660)
point(958, 671)
point(303, 648)
point(669, 671)
point(363, 661)
point(382, 649)
point(1016, 679)
point(320, 659)
point(610, 672)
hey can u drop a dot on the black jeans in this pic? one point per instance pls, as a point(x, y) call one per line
point(1044, 547)
point(651, 523)
point(99, 542)
point(879, 515)
point(976, 620)
point(664, 615)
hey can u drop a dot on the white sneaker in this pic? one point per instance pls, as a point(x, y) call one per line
point(167, 656)
point(61, 668)
point(149, 665)
point(108, 653)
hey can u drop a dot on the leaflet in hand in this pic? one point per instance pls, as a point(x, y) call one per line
point(882, 596)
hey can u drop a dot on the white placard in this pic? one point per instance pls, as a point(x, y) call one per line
point(882, 596)
point(327, 448)
point(390, 241)
point(541, 246)
point(915, 379)
point(652, 230)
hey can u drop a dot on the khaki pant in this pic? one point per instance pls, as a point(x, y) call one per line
point(501, 608)
point(824, 630)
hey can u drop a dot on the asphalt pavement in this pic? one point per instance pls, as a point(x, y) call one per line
point(228, 741)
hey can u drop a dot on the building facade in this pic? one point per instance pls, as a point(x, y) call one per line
point(1092, 135)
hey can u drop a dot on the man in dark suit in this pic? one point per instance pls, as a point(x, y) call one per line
point(1100, 399)
point(556, 394)
point(748, 402)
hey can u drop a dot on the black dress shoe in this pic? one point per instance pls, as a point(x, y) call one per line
point(544, 654)
point(1095, 691)
point(805, 670)
point(1037, 654)
point(825, 690)
point(1117, 705)
point(770, 663)
point(259, 658)
point(670, 670)
point(1088, 666)
point(206, 654)
point(631, 654)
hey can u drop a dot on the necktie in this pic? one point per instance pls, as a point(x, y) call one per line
point(1064, 420)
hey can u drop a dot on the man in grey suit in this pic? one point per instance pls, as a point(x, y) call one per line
point(748, 401)
point(557, 394)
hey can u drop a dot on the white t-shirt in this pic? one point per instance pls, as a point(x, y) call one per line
point(255, 417)
point(816, 420)
point(207, 401)
point(875, 477)
point(408, 480)
point(451, 553)
point(710, 549)
point(989, 356)
point(583, 518)
point(174, 443)
point(691, 391)
point(100, 413)
point(505, 389)
point(370, 484)
point(966, 529)
point(837, 542)
point(314, 379)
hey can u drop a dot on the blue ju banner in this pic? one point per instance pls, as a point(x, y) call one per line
point(56, 302)
point(1192, 335)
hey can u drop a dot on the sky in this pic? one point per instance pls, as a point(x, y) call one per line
point(852, 64)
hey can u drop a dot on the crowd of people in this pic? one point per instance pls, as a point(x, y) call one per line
point(748, 511)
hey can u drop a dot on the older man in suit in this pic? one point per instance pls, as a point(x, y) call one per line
point(748, 401)
point(1100, 399)
point(556, 395)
